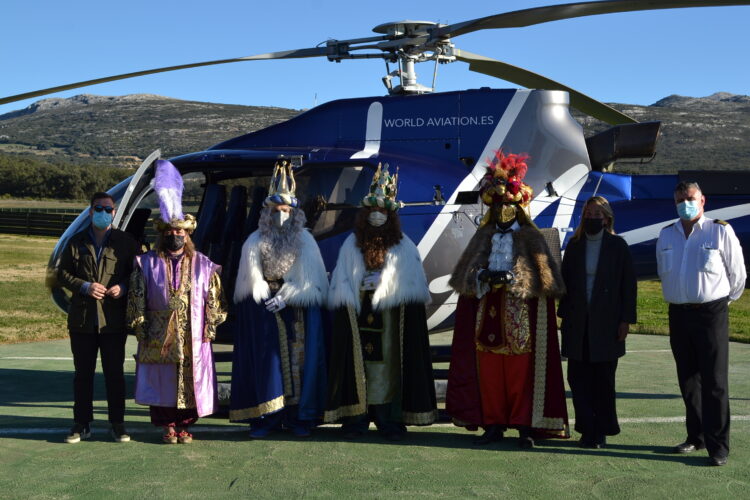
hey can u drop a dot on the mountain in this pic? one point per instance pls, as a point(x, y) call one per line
point(121, 131)
point(697, 132)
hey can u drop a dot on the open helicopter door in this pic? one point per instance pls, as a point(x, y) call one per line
point(129, 218)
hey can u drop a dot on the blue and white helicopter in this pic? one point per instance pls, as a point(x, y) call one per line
point(439, 142)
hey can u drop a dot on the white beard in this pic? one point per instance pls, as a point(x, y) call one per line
point(279, 246)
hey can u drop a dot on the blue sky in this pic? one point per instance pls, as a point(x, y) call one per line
point(634, 58)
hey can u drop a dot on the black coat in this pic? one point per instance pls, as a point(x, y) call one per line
point(613, 300)
point(78, 265)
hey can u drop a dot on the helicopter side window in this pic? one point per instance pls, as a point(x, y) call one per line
point(337, 192)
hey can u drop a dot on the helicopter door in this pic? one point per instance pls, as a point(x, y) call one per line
point(127, 218)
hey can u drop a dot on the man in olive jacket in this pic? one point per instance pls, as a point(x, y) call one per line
point(95, 267)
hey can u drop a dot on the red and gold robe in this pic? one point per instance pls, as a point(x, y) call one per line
point(505, 359)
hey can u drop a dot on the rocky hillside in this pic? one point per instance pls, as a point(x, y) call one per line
point(120, 131)
point(698, 133)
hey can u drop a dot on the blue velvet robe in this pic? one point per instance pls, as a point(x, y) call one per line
point(258, 363)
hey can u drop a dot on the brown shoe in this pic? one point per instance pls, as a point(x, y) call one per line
point(170, 437)
point(185, 437)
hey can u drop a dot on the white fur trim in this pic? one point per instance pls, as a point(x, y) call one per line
point(402, 279)
point(250, 279)
point(305, 284)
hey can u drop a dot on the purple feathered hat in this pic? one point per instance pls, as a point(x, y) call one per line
point(168, 186)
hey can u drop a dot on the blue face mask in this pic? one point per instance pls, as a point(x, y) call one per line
point(689, 209)
point(102, 220)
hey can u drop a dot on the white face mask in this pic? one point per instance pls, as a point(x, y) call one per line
point(377, 219)
point(279, 218)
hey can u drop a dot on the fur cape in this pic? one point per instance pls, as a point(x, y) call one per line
point(536, 272)
point(305, 284)
point(402, 279)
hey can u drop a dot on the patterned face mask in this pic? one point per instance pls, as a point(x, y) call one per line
point(174, 242)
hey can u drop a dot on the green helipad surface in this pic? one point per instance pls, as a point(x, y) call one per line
point(438, 461)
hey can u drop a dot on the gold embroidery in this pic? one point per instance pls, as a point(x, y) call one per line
point(215, 308)
point(360, 406)
point(538, 420)
point(136, 308)
point(298, 355)
point(284, 354)
point(514, 331)
point(421, 418)
point(257, 411)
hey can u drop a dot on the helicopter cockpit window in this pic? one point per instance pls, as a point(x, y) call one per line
point(329, 194)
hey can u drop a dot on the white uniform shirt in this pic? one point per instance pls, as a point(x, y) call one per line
point(707, 265)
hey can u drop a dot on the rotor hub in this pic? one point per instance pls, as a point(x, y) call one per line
point(406, 28)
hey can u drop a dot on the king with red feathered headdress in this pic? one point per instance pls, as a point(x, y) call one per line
point(505, 364)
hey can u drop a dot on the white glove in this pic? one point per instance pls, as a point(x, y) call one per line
point(275, 304)
point(371, 281)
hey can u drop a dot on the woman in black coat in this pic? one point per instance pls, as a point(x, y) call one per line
point(596, 312)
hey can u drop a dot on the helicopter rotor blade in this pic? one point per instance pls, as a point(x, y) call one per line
point(529, 79)
point(539, 15)
point(286, 54)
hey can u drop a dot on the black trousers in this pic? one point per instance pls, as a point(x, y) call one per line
point(593, 389)
point(699, 336)
point(112, 348)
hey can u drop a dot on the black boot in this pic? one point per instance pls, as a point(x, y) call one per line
point(492, 433)
point(525, 439)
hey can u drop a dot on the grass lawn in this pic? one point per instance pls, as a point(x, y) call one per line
point(432, 462)
point(27, 313)
point(15, 203)
point(26, 310)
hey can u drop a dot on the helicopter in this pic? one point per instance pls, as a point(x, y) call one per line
point(439, 141)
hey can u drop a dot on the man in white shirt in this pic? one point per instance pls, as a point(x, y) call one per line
point(702, 270)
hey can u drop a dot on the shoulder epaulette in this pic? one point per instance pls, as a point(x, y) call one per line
point(722, 222)
point(668, 225)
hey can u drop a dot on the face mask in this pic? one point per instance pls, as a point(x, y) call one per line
point(102, 220)
point(377, 219)
point(279, 218)
point(592, 226)
point(507, 214)
point(688, 210)
point(174, 242)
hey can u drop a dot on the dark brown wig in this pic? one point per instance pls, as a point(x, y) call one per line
point(375, 241)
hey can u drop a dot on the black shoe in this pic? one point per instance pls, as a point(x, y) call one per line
point(352, 435)
point(395, 436)
point(588, 442)
point(601, 441)
point(687, 447)
point(77, 433)
point(525, 442)
point(118, 433)
point(492, 434)
point(718, 460)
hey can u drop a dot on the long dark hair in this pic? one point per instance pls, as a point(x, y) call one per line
point(375, 241)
